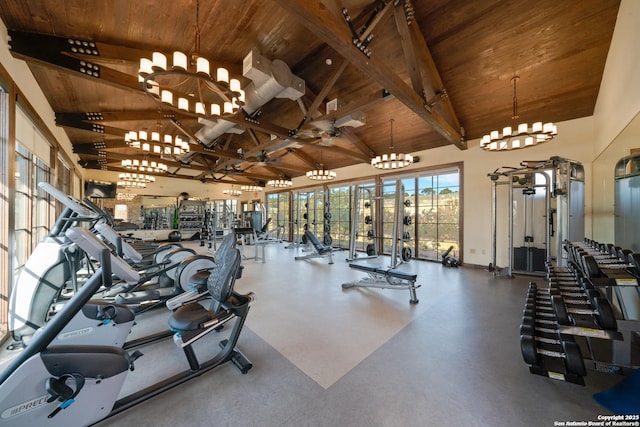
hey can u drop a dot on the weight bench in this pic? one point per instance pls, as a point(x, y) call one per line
point(320, 249)
point(385, 278)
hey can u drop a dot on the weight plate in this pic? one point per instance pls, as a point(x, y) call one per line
point(327, 240)
point(406, 254)
point(371, 250)
point(407, 203)
point(406, 220)
point(305, 215)
point(368, 219)
point(529, 350)
point(370, 234)
point(327, 215)
point(406, 236)
point(304, 239)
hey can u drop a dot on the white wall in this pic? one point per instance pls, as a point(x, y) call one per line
point(618, 104)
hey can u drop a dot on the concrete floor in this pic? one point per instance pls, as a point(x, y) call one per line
point(324, 356)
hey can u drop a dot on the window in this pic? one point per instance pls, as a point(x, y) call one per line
point(431, 206)
point(5, 208)
point(340, 209)
point(278, 211)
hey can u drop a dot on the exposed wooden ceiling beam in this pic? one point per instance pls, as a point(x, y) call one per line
point(326, 25)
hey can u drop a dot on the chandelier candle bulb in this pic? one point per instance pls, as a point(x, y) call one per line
point(228, 108)
point(222, 75)
point(183, 104)
point(159, 60)
point(215, 109)
point(202, 65)
point(234, 85)
point(168, 139)
point(200, 108)
point(528, 141)
point(522, 128)
point(166, 96)
point(142, 135)
point(537, 127)
point(146, 66)
point(506, 131)
point(146, 146)
point(179, 61)
point(155, 136)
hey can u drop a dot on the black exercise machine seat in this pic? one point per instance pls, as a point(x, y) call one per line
point(222, 277)
point(390, 272)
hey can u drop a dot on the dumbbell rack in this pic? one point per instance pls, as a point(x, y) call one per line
point(544, 348)
point(615, 272)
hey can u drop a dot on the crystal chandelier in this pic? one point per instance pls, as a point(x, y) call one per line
point(520, 137)
point(392, 160)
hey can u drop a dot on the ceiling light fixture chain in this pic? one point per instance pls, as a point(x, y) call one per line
point(521, 136)
point(392, 160)
point(207, 92)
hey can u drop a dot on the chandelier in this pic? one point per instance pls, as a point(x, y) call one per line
point(392, 160)
point(136, 177)
point(127, 197)
point(188, 83)
point(144, 165)
point(520, 137)
point(321, 174)
point(132, 184)
point(154, 142)
point(251, 188)
point(231, 192)
point(280, 183)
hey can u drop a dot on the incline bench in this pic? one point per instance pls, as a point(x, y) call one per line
point(385, 278)
point(320, 249)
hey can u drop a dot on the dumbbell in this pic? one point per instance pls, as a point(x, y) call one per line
point(571, 354)
point(601, 311)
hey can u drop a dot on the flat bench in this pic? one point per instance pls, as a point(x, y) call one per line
point(389, 278)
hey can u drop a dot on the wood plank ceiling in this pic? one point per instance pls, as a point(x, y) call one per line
point(441, 69)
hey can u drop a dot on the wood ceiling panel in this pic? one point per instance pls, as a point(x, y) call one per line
point(557, 48)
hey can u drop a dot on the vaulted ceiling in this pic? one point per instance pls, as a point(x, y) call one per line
point(442, 69)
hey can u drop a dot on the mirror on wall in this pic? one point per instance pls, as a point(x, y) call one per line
point(626, 143)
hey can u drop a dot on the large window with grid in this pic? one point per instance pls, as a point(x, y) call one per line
point(429, 212)
point(340, 203)
point(278, 211)
point(5, 208)
point(33, 216)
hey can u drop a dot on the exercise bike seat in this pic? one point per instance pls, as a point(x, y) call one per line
point(191, 317)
